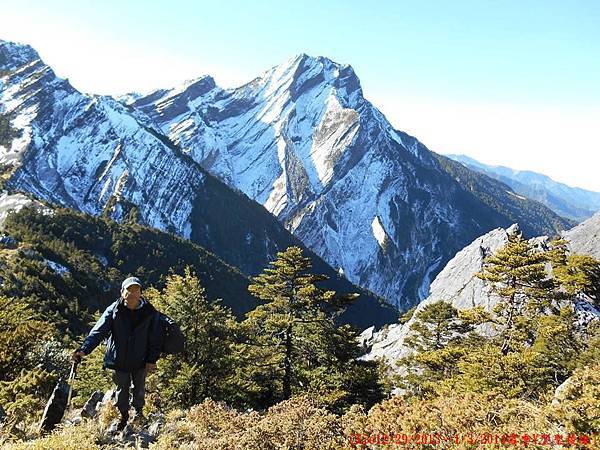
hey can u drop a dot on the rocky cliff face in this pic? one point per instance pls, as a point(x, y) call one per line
point(302, 140)
point(455, 284)
point(458, 285)
point(585, 237)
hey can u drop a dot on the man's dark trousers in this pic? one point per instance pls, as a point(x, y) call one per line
point(123, 381)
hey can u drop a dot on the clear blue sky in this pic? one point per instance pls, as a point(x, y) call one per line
point(508, 82)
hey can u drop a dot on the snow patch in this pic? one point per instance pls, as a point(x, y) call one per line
point(379, 232)
point(516, 195)
point(56, 267)
point(21, 123)
point(10, 203)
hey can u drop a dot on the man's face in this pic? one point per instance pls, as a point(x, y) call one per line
point(132, 295)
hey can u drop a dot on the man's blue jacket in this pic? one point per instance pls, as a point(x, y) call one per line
point(134, 336)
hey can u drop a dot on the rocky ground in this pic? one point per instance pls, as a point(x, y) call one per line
point(139, 432)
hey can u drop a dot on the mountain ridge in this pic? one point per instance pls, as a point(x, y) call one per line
point(300, 139)
point(568, 201)
point(92, 154)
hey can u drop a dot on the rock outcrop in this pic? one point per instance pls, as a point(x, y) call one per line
point(585, 237)
point(458, 285)
point(455, 284)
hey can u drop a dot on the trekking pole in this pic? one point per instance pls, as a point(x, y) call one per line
point(70, 382)
point(56, 406)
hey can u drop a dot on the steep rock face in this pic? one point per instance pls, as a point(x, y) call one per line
point(455, 284)
point(458, 285)
point(302, 140)
point(585, 237)
point(94, 154)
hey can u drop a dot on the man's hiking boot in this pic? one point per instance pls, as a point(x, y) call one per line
point(139, 418)
point(122, 423)
point(118, 426)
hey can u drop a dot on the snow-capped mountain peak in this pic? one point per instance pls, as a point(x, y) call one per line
point(302, 73)
point(300, 139)
point(303, 141)
point(13, 55)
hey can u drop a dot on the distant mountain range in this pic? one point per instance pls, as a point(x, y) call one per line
point(572, 202)
point(297, 150)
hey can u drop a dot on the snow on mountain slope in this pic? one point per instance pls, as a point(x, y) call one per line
point(13, 202)
point(97, 155)
point(303, 141)
point(81, 150)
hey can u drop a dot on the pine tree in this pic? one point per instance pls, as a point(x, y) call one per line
point(517, 273)
point(486, 369)
point(25, 381)
point(206, 367)
point(21, 331)
point(559, 344)
point(575, 273)
point(591, 353)
point(537, 345)
point(436, 325)
point(292, 343)
point(439, 337)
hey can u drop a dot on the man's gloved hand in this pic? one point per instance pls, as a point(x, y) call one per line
point(77, 356)
point(150, 367)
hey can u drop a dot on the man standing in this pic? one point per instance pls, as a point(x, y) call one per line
point(132, 327)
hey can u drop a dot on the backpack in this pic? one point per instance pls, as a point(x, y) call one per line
point(173, 339)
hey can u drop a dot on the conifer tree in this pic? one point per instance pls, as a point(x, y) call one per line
point(206, 367)
point(436, 325)
point(25, 382)
point(439, 338)
point(517, 273)
point(292, 343)
point(591, 354)
point(21, 331)
point(559, 344)
point(575, 273)
point(538, 344)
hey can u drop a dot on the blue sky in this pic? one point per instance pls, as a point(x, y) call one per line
point(507, 82)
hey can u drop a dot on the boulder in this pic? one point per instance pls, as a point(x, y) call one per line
point(90, 409)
